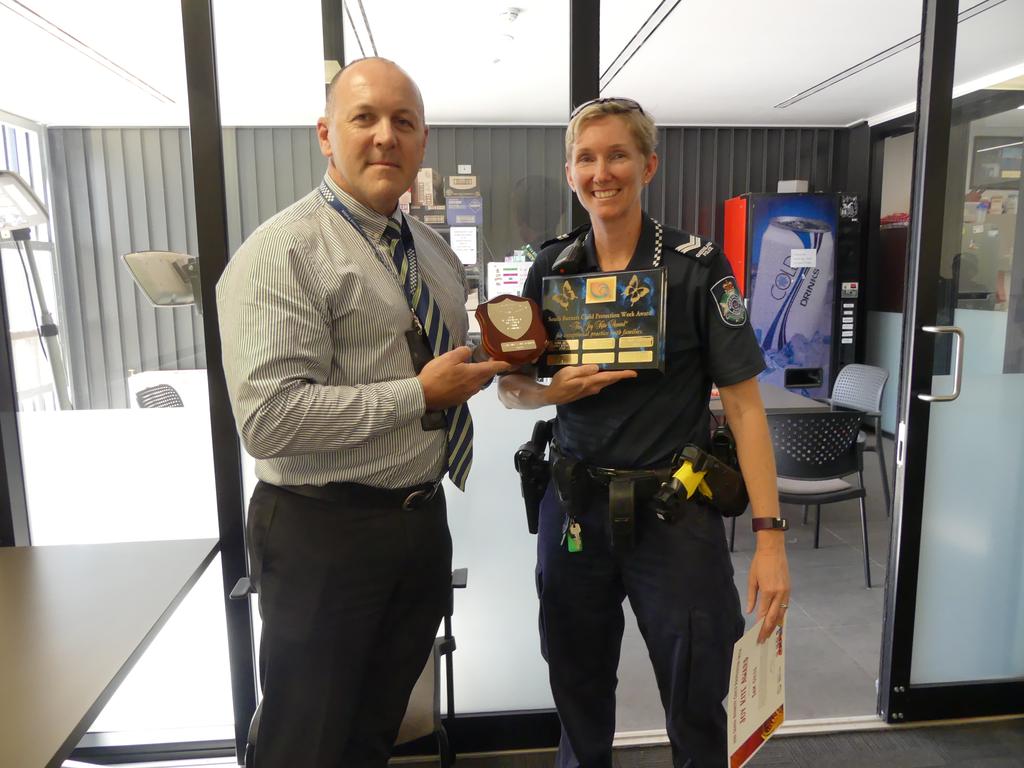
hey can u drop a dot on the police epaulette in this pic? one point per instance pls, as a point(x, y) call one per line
point(567, 237)
point(694, 247)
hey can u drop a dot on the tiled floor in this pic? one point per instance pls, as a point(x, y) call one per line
point(835, 624)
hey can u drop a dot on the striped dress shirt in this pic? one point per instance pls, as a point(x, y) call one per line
point(320, 375)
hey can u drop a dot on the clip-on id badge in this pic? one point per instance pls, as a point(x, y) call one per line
point(421, 355)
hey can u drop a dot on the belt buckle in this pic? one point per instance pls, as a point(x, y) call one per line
point(419, 496)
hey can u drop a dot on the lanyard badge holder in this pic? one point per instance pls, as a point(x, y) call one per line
point(421, 355)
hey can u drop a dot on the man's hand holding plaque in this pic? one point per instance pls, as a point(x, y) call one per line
point(511, 329)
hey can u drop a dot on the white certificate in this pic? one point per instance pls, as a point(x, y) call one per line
point(757, 693)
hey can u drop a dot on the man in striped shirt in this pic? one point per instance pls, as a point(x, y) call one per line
point(348, 539)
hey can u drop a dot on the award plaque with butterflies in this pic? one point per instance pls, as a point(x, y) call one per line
point(612, 319)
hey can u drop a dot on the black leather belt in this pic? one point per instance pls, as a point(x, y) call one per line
point(356, 494)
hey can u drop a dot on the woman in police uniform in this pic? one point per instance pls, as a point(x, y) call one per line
point(678, 577)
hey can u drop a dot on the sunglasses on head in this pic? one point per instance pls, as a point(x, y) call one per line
point(618, 101)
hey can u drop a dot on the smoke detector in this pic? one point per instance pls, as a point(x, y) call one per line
point(510, 14)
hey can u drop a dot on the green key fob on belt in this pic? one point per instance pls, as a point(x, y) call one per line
point(575, 537)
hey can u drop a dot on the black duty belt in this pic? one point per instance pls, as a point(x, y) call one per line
point(647, 480)
point(356, 494)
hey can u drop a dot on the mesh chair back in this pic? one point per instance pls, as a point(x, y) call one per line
point(815, 445)
point(860, 386)
point(158, 396)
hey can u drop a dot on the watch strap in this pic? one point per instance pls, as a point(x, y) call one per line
point(769, 524)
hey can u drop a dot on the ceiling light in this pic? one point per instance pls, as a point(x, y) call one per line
point(1001, 146)
point(878, 58)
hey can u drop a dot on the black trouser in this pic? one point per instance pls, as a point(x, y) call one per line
point(679, 580)
point(351, 597)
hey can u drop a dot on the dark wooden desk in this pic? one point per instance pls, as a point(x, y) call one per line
point(779, 400)
point(73, 622)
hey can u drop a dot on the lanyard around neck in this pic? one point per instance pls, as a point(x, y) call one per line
point(407, 242)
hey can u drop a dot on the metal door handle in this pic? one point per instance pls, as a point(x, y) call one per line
point(958, 367)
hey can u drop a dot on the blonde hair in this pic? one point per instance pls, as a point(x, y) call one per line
point(641, 125)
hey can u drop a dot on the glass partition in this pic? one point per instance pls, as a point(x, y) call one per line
point(495, 87)
point(745, 97)
point(972, 532)
point(103, 463)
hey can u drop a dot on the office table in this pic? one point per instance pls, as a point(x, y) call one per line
point(778, 400)
point(73, 622)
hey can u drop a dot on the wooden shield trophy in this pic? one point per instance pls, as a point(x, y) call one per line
point(511, 329)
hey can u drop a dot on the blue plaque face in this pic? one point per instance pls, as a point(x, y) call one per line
point(612, 319)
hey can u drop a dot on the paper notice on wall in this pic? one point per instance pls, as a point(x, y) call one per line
point(757, 693)
point(803, 257)
point(463, 241)
point(506, 277)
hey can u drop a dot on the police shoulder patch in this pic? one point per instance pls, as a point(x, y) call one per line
point(729, 302)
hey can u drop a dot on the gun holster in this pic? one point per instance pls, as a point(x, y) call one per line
point(712, 477)
point(534, 471)
point(728, 491)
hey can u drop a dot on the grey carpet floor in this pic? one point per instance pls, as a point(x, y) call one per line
point(983, 745)
point(834, 630)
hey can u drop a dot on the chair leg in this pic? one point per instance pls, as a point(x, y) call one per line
point(817, 524)
point(805, 514)
point(880, 449)
point(444, 749)
point(864, 536)
point(732, 536)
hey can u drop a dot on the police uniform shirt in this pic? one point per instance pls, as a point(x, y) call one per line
point(642, 422)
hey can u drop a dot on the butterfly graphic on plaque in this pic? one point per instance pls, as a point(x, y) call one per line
point(635, 291)
point(564, 297)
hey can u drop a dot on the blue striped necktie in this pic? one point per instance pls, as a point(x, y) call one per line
point(398, 240)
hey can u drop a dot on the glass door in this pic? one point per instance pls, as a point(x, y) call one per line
point(954, 641)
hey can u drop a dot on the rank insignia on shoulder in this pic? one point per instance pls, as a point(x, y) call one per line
point(697, 249)
point(729, 302)
point(693, 244)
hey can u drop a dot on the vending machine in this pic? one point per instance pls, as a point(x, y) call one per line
point(782, 248)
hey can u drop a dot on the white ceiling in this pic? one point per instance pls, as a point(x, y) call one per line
point(712, 62)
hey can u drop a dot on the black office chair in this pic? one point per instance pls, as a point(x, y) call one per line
point(813, 452)
point(159, 396)
point(423, 714)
